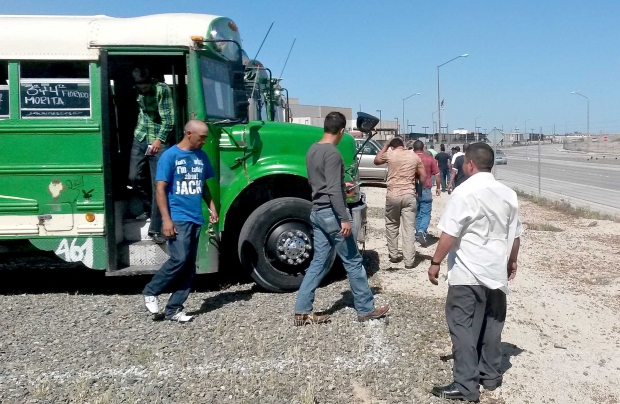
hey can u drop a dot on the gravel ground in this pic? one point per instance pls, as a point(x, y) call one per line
point(73, 336)
point(103, 348)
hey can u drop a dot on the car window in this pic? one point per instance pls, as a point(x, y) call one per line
point(369, 149)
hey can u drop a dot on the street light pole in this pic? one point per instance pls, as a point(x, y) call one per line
point(438, 96)
point(397, 126)
point(588, 121)
point(475, 123)
point(406, 98)
point(425, 127)
point(529, 138)
point(379, 111)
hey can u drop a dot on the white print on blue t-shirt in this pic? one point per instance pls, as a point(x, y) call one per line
point(191, 183)
point(185, 173)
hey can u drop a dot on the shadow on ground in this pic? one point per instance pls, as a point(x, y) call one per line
point(419, 259)
point(220, 300)
point(338, 273)
point(43, 272)
point(508, 351)
point(347, 301)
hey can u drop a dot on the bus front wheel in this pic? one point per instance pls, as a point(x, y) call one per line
point(275, 244)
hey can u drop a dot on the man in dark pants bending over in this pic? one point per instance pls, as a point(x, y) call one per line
point(181, 174)
point(480, 234)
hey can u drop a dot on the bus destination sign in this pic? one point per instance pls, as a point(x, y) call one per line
point(55, 99)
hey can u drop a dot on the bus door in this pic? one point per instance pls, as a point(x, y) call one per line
point(136, 252)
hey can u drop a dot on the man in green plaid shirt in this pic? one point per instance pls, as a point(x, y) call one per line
point(151, 138)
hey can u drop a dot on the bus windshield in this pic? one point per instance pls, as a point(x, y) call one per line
point(217, 88)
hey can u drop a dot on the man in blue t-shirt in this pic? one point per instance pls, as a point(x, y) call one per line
point(181, 174)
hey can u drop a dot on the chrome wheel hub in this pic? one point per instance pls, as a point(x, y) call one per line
point(293, 247)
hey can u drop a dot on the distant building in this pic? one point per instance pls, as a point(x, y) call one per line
point(314, 115)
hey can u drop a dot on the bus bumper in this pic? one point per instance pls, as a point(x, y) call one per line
point(358, 213)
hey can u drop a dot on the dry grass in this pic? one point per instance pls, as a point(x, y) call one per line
point(542, 227)
point(567, 208)
point(308, 396)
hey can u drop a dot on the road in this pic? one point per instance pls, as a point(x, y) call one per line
point(578, 178)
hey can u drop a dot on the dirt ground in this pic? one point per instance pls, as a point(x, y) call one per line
point(562, 332)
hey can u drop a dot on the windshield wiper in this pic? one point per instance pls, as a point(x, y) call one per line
point(227, 121)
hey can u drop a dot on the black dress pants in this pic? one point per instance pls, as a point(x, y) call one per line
point(476, 316)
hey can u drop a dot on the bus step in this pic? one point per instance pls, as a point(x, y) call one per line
point(141, 253)
point(134, 270)
point(135, 230)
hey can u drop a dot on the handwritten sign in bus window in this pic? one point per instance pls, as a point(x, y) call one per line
point(4, 102)
point(48, 98)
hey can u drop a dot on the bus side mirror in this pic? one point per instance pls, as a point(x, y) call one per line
point(366, 122)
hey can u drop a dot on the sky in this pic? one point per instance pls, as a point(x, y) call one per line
point(525, 56)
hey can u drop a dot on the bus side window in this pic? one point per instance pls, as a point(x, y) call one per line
point(37, 69)
point(54, 89)
point(4, 89)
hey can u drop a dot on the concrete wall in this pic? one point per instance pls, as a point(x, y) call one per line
point(316, 111)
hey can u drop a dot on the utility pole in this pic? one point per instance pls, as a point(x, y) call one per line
point(525, 134)
point(588, 121)
point(404, 99)
point(438, 96)
point(539, 136)
point(425, 127)
point(476, 136)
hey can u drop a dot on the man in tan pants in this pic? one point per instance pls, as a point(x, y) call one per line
point(404, 167)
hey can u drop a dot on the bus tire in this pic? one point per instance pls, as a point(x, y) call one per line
point(276, 245)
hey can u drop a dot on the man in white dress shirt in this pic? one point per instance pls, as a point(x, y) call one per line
point(480, 234)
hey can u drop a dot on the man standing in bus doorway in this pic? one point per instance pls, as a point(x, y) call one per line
point(331, 222)
point(400, 201)
point(181, 175)
point(151, 135)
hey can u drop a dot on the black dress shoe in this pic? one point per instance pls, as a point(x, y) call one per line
point(450, 392)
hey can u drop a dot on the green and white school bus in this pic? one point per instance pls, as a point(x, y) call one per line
point(67, 116)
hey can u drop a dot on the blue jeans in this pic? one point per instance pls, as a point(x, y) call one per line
point(423, 211)
point(432, 180)
point(445, 177)
point(177, 274)
point(327, 237)
point(136, 163)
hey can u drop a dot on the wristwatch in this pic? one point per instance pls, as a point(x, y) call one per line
point(435, 263)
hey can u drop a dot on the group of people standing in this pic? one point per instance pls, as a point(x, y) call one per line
point(480, 237)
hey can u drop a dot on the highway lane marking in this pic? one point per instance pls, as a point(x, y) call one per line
point(576, 164)
point(564, 187)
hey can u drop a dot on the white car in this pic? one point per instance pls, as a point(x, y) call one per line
point(368, 171)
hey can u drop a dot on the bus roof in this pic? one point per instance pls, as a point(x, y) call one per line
point(53, 37)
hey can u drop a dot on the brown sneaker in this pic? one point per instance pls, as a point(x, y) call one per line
point(303, 319)
point(378, 313)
